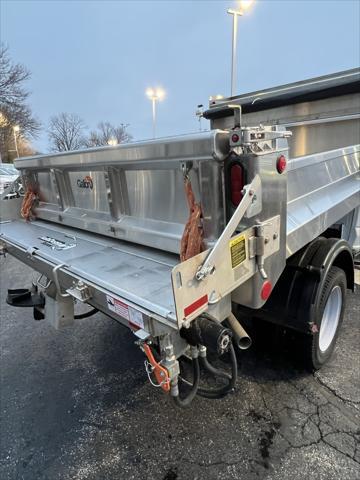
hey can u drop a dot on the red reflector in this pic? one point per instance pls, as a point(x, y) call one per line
point(235, 138)
point(281, 164)
point(236, 184)
point(266, 290)
point(200, 302)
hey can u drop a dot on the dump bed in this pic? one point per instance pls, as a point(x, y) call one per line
point(113, 217)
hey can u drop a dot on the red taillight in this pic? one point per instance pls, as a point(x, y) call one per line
point(266, 290)
point(236, 183)
point(281, 164)
point(235, 138)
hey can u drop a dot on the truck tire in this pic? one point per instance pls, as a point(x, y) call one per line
point(329, 312)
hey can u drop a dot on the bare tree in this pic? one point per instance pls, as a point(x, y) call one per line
point(25, 148)
point(13, 107)
point(107, 134)
point(66, 132)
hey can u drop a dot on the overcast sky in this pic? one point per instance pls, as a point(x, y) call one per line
point(96, 58)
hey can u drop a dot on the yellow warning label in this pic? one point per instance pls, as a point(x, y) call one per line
point(237, 251)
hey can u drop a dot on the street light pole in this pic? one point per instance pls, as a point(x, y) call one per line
point(16, 128)
point(235, 15)
point(154, 115)
point(244, 5)
point(154, 94)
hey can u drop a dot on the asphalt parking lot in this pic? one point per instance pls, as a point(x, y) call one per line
point(76, 404)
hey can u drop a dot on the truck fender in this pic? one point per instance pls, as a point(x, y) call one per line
point(334, 252)
point(293, 301)
point(317, 259)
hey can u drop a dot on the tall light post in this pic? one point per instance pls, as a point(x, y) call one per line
point(16, 130)
point(3, 123)
point(155, 95)
point(244, 5)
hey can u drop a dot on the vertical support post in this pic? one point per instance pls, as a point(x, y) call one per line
point(154, 115)
point(234, 56)
point(235, 14)
point(16, 143)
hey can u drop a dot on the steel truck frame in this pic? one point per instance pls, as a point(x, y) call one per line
point(277, 177)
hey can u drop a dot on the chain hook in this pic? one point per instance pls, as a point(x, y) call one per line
point(185, 168)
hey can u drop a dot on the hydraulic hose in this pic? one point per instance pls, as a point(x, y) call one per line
point(185, 402)
point(222, 391)
point(214, 371)
point(86, 314)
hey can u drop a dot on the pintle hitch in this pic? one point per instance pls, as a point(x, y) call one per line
point(24, 297)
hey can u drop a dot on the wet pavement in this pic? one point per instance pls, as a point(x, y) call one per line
point(76, 404)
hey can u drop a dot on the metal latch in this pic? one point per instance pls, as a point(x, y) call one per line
point(259, 134)
point(264, 242)
point(257, 248)
point(80, 291)
point(248, 136)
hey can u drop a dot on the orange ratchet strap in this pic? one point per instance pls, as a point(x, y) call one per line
point(28, 203)
point(160, 372)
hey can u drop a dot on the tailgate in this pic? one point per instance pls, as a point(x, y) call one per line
point(136, 275)
point(132, 192)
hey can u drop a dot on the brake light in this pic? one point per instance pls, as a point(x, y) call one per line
point(266, 290)
point(281, 164)
point(235, 138)
point(236, 183)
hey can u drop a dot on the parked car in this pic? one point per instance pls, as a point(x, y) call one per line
point(8, 175)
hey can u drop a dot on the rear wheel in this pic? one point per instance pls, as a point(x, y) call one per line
point(328, 313)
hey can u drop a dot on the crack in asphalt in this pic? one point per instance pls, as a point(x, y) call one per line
point(317, 420)
point(334, 392)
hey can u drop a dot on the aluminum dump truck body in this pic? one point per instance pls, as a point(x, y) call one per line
point(278, 171)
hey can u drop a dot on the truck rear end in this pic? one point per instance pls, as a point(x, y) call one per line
point(105, 227)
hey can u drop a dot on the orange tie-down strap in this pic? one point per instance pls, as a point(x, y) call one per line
point(192, 239)
point(160, 372)
point(28, 203)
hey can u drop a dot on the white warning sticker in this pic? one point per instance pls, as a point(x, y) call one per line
point(120, 308)
point(134, 317)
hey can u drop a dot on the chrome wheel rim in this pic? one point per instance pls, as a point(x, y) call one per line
point(330, 318)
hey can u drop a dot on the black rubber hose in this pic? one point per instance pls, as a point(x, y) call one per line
point(214, 371)
point(222, 391)
point(185, 402)
point(86, 314)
